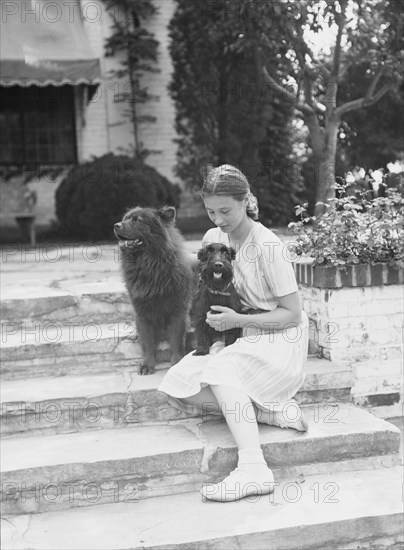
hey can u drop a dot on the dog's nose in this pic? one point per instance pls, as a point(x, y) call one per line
point(218, 264)
point(117, 226)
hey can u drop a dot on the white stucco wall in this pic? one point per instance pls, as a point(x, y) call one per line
point(107, 127)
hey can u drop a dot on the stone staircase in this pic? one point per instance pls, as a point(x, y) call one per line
point(93, 456)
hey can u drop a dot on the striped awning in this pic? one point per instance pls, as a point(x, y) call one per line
point(44, 43)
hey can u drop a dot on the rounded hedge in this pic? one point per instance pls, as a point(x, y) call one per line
point(95, 195)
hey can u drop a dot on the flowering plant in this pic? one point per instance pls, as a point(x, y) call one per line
point(354, 228)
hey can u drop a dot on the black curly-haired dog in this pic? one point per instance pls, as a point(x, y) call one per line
point(158, 277)
point(215, 287)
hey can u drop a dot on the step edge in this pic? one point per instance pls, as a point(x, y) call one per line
point(393, 518)
point(383, 429)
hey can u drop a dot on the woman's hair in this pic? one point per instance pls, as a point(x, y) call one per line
point(228, 180)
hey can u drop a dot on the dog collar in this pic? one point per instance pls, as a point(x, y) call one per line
point(219, 292)
point(222, 292)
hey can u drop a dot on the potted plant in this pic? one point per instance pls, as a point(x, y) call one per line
point(350, 275)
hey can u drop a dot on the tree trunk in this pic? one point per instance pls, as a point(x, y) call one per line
point(326, 167)
point(222, 123)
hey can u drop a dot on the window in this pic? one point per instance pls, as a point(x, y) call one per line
point(37, 125)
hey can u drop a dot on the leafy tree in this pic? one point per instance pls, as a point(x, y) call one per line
point(225, 112)
point(364, 36)
point(374, 137)
point(139, 46)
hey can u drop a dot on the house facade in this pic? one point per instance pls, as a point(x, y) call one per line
point(60, 103)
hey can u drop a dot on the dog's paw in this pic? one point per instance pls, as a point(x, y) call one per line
point(201, 351)
point(176, 359)
point(146, 369)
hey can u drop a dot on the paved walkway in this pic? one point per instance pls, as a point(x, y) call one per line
point(55, 269)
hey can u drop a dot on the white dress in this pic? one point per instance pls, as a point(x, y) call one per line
point(267, 365)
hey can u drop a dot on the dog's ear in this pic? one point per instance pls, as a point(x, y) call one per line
point(167, 213)
point(202, 255)
point(232, 253)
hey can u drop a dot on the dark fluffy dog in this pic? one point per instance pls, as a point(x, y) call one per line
point(158, 277)
point(215, 274)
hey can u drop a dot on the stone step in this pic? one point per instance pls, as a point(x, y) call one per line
point(69, 348)
point(91, 303)
point(65, 284)
point(337, 511)
point(52, 404)
point(96, 467)
point(92, 328)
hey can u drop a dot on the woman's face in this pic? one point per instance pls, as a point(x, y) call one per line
point(225, 211)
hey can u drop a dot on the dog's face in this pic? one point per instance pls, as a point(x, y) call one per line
point(215, 267)
point(140, 225)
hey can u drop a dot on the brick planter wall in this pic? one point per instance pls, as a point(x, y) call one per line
point(356, 317)
point(351, 276)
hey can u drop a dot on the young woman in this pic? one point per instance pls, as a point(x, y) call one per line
point(254, 379)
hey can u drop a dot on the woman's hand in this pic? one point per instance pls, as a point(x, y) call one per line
point(225, 320)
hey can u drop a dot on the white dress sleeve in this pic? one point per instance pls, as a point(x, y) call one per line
point(277, 268)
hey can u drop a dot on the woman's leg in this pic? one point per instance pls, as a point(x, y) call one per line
point(204, 400)
point(252, 475)
point(239, 414)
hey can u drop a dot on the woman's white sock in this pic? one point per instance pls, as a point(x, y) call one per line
point(252, 460)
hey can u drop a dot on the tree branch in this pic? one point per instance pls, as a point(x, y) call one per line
point(363, 101)
point(337, 51)
point(301, 50)
point(344, 69)
point(300, 45)
point(304, 108)
point(325, 73)
point(383, 91)
point(374, 83)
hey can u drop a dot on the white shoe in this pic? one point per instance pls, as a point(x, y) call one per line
point(279, 419)
point(239, 484)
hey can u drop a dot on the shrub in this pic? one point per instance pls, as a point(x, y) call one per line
point(95, 195)
point(353, 229)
